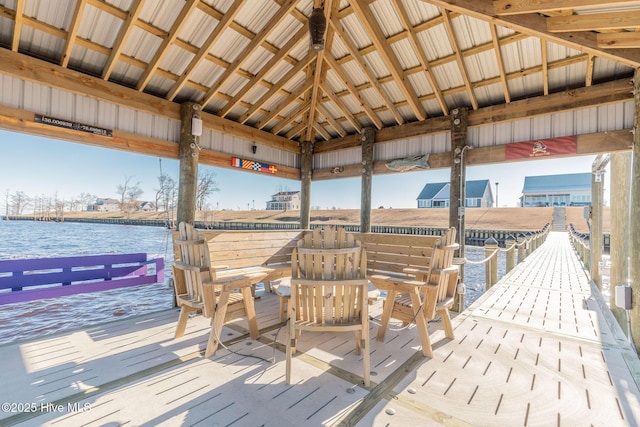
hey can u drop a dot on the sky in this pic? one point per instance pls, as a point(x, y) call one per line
point(42, 166)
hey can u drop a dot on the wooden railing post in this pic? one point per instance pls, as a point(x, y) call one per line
point(522, 253)
point(510, 244)
point(491, 268)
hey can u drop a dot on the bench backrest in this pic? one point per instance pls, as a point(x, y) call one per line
point(74, 275)
point(240, 249)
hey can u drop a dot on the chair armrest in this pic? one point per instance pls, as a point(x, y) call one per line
point(415, 271)
point(220, 267)
point(347, 282)
point(229, 283)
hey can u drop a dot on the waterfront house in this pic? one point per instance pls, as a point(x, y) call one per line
point(284, 201)
point(104, 205)
point(478, 194)
point(573, 189)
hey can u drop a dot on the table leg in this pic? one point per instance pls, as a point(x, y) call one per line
point(386, 313)
point(218, 321)
point(421, 323)
point(250, 310)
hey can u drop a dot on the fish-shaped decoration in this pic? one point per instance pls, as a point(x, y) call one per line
point(420, 161)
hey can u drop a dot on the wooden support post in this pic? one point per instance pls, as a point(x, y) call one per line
point(634, 226)
point(368, 137)
point(510, 242)
point(306, 168)
point(457, 186)
point(189, 152)
point(522, 251)
point(491, 269)
point(596, 240)
point(620, 179)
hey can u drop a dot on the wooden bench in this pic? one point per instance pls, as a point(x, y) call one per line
point(263, 251)
point(24, 280)
point(399, 263)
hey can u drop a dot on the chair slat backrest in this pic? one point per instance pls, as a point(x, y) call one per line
point(332, 262)
point(193, 250)
point(441, 263)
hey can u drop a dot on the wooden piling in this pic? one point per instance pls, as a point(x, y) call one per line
point(619, 248)
point(510, 242)
point(491, 266)
point(634, 226)
point(189, 153)
point(306, 169)
point(368, 137)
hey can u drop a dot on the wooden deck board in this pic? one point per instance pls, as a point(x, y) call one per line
point(534, 350)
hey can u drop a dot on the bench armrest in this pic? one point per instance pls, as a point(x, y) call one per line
point(416, 271)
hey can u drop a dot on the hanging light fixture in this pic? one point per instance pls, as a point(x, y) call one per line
point(317, 27)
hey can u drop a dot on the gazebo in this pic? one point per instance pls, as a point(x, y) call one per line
point(314, 90)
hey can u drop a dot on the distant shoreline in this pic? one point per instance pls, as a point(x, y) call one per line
point(502, 219)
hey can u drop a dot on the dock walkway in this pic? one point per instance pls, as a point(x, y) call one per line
point(538, 349)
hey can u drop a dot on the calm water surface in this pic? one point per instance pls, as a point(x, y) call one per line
point(26, 239)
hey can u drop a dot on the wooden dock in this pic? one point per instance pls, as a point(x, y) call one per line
point(538, 349)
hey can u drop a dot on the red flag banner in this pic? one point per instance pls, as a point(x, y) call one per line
point(542, 148)
point(254, 166)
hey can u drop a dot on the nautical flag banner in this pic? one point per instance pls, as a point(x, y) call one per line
point(542, 148)
point(256, 166)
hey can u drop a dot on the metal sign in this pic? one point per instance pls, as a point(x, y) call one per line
point(67, 124)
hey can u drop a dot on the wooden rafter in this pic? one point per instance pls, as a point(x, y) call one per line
point(424, 62)
point(545, 66)
point(296, 94)
point(73, 32)
point(348, 116)
point(248, 50)
point(536, 25)
point(162, 51)
point(359, 59)
point(589, 76)
point(384, 49)
point(319, 71)
point(334, 123)
point(223, 24)
point(500, 62)
point(17, 25)
point(300, 111)
point(301, 65)
point(597, 21)
point(515, 7)
point(354, 92)
point(619, 40)
point(463, 68)
point(282, 53)
point(123, 35)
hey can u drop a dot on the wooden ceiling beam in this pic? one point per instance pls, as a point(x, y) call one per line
point(123, 35)
point(596, 21)
point(545, 66)
point(334, 123)
point(73, 32)
point(293, 96)
point(300, 66)
point(354, 92)
point(163, 49)
point(286, 121)
point(268, 28)
point(600, 94)
point(619, 40)
point(370, 23)
point(345, 112)
point(359, 59)
point(45, 73)
point(515, 7)
point(500, 62)
point(536, 25)
point(413, 39)
point(459, 58)
point(18, 18)
point(203, 52)
point(258, 78)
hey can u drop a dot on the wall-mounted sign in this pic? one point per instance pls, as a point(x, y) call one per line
point(253, 165)
point(67, 124)
point(542, 148)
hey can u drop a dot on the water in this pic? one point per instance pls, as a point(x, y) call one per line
point(25, 239)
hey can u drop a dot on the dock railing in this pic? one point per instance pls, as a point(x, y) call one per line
point(581, 243)
point(524, 244)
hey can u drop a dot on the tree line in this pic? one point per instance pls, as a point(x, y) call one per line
point(129, 196)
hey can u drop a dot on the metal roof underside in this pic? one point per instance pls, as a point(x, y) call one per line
point(385, 62)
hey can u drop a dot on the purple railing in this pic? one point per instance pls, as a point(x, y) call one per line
point(31, 279)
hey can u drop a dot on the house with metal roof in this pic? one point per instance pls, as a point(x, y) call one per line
point(284, 200)
point(572, 189)
point(478, 194)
